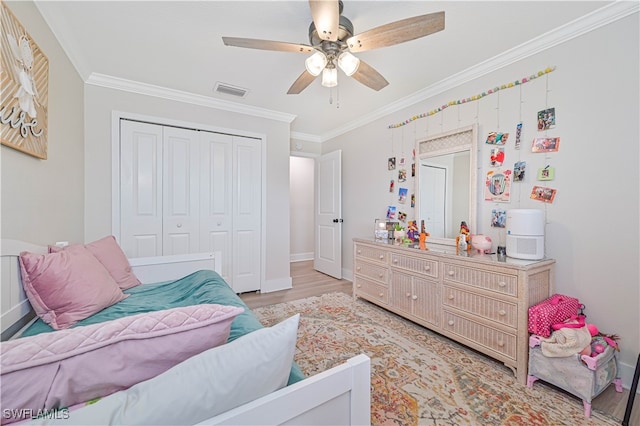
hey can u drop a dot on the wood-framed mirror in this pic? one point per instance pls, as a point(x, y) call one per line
point(446, 183)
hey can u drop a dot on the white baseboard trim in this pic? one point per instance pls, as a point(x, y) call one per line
point(626, 374)
point(277, 285)
point(347, 274)
point(301, 257)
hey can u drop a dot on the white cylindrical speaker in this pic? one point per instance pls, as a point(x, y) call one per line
point(525, 234)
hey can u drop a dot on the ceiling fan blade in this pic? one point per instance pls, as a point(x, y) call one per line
point(279, 46)
point(305, 79)
point(397, 32)
point(368, 76)
point(326, 16)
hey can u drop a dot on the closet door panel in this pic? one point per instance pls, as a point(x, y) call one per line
point(245, 250)
point(181, 191)
point(247, 204)
point(216, 197)
point(141, 189)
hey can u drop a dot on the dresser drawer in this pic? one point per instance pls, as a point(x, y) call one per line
point(371, 253)
point(496, 340)
point(371, 270)
point(427, 267)
point(370, 290)
point(501, 283)
point(495, 310)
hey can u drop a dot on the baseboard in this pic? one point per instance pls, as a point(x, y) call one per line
point(301, 257)
point(626, 372)
point(347, 274)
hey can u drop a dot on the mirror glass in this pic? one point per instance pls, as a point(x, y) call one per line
point(446, 184)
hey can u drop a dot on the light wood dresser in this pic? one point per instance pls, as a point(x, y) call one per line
point(474, 300)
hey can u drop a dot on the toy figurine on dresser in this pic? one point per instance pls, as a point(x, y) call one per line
point(423, 236)
point(412, 231)
point(463, 240)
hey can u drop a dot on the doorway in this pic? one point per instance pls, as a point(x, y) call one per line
point(302, 207)
point(315, 211)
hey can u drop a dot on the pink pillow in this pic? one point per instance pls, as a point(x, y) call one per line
point(67, 286)
point(63, 368)
point(109, 253)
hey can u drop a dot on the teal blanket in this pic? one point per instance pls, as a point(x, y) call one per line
point(197, 288)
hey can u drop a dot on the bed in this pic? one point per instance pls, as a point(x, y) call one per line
point(340, 395)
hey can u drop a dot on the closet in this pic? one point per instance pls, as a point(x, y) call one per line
point(190, 191)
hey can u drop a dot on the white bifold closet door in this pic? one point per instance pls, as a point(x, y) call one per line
point(189, 191)
point(231, 203)
point(180, 187)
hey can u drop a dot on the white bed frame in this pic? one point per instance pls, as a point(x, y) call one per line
point(339, 396)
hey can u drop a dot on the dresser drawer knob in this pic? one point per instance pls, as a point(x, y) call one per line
point(381, 294)
point(381, 256)
point(451, 297)
point(359, 285)
point(502, 284)
point(501, 343)
point(502, 312)
point(408, 294)
point(359, 268)
point(395, 261)
point(452, 273)
point(450, 322)
point(381, 274)
point(427, 267)
point(359, 251)
point(414, 297)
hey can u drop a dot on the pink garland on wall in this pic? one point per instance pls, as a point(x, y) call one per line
point(475, 97)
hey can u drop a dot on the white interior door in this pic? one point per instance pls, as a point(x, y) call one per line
point(328, 235)
point(216, 187)
point(181, 175)
point(247, 214)
point(434, 178)
point(140, 188)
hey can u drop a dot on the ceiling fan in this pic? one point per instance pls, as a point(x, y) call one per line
point(332, 43)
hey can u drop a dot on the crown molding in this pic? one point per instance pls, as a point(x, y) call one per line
point(587, 23)
point(137, 87)
point(307, 137)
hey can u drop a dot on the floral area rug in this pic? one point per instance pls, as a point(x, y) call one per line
point(419, 377)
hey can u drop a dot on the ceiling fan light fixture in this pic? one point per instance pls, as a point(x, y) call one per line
point(348, 63)
point(330, 77)
point(316, 63)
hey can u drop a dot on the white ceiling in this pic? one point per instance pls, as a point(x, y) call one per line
point(178, 45)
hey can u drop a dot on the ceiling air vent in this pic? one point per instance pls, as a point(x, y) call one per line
point(228, 89)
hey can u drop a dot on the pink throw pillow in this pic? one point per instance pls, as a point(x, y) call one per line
point(67, 286)
point(53, 370)
point(109, 253)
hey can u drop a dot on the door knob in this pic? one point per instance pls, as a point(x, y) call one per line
point(338, 220)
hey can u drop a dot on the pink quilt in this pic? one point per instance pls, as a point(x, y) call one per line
point(66, 367)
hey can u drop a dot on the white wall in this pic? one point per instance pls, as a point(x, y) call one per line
point(592, 227)
point(302, 208)
point(43, 200)
point(99, 104)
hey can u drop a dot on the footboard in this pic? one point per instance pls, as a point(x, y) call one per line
point(339, 396)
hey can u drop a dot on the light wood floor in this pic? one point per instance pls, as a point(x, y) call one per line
point(308, 282)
